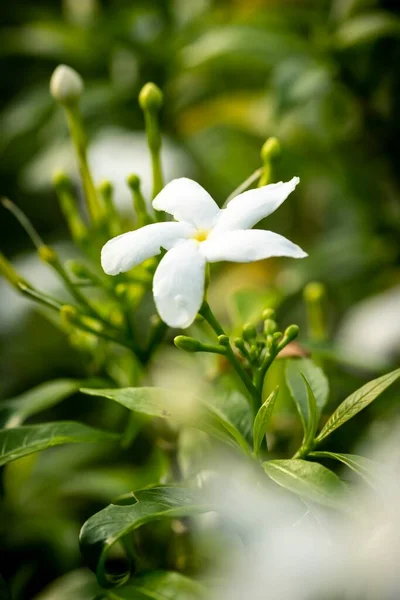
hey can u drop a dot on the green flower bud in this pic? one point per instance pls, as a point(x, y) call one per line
point(9, 273)
point(268, 313)
point(239, 343)
point(187, 343)
point(68, 313)
point(249, 332)
point(133, 181)
point(48, 255)
point(66, 85)
point(223, 340)
point(314, 292)
point(150, 97)
point(291, 332)
point(61, 182)
point(106, 188)
point(78, 269)
point(270, 327)
point(271, 150)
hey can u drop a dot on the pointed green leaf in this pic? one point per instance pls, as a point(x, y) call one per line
point(309, 480)
point(105, 528)
point(356, 402)
point(20, 441)
point(158, 585)
point(364, 467)
point(262, 419)
point(312, 416)
point(367, 28)
point(175, 405)
point(295, 367)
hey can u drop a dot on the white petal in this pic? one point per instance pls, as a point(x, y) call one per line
point(130, 249)
point(247, 209)
point(186, 200)
point(247, 246)
point(178, 284)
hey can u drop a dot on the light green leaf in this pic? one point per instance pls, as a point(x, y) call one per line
point(309, 480)
point(356, 402)
point(262, 418)
point(105, 528)
point(15, 411)
point(175, 405)
point(21, 441)
point(367, 469)
point(296, 370)
point(367, 28)
point(158, 585)
point(313, 416)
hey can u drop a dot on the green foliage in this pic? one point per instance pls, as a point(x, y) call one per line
point(21, 441)
point(262, 419)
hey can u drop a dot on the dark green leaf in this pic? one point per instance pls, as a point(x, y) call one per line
point(108, 526)
point(309, 480)
point(313, 416)
point(262, 418)
point(170, 404)
point(367, 469)
point(318, 383)
point(20, 441)
point(158, 585)
point(14, 411)
point(357, 401)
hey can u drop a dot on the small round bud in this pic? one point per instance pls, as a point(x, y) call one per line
point(66, 85)
point(47, 254)
point(270, 327)
point(150, 97)
point(249, 332)
point(68, 313)
point(78, 269)
point(268, 313)
point(133, 181)
point(62, 182)
point(291, 332)
point(271, 150)
point(187, 343)
point(106, 188)
point(239, 343)
point(314, 292)
point(223, 340)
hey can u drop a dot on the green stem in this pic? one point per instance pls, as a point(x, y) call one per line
point(244, 185)
point(209, 316)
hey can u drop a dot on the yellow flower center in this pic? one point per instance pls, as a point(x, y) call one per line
point(201, 235)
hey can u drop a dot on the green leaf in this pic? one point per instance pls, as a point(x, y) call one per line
point(367, 28)
point(20, 441)
point(106, 527)
point(364, 467)
point(79, 584)
point(309, 480)
point(262, 418)
point(15, 411)
point(175, 405)
point(313, 417)
point(158, 585)
point(356, 402)
point(317, 380)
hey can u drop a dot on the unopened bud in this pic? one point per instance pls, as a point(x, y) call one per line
point(271, 150)
point(270, 327)
point(66, 85)
point(268, 313)
point(150, 97)
point(291, 332)
point(133, 181)
point(223, 340)
point(68, 313)
point(9, 273)
point(48, 255)
point(314, 292)
point(249, 332)
point(187, 343)
point(106, 188)
point(78, 269)
point(61, 182)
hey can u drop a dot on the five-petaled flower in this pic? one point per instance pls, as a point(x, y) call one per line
point(201, 233)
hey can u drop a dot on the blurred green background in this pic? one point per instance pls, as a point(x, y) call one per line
point(321, 75)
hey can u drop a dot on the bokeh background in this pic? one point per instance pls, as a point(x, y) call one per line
point(321, 75)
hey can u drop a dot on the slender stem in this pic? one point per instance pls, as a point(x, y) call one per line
point(23, 221)
point(209, 316)
point(244, 185)
point(40, 297)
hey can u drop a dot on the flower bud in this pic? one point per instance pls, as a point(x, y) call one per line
point(48, 255)
point(270, 326)
point(9, 273)
point(133, 181)
point(66, 85)
point(68, 313)
point(314, 292)
point(187, 343)
point(291, 332)
point(150, 97)
point(106, 188)
point(268, 313)
point(271, 150)
point(249, 332)
point(61, 182)
point(223, 340)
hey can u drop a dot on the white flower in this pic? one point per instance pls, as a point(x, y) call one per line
point(201, 233)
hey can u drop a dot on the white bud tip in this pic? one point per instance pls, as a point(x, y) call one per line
point(66, 85)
